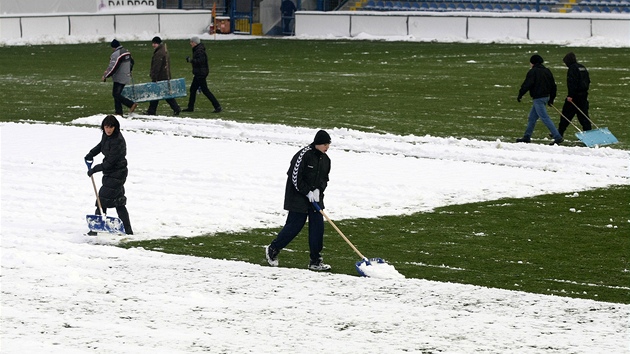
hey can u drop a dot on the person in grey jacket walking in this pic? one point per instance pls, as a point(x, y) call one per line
point(307, 178)
point(119, 69)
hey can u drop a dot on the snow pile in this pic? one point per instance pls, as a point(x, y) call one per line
point(378, 268)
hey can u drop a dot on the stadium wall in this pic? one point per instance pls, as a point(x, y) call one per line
point(469, 26)
point(41, 26)
point(422, 26)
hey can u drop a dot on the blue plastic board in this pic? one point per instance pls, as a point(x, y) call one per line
point(152, 91)
point(108, 224)
point(601, 136)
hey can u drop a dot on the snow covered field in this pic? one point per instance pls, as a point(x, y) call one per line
point(63, 292)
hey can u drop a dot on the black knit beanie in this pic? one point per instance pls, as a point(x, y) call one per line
point(156, 40)
point(115, 43)
point(536, 59)
point(321, 138)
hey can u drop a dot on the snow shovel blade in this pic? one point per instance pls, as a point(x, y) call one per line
point(367, 262)
point(109, 224)
point(600, 136)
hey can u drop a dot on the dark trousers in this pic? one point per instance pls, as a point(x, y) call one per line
point(199, 82)
point(569, 111)
point(123, 215)
point(293, 226)
point(119, 99)
point(171, 102)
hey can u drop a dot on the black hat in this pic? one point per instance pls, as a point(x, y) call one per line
point(321, 138)
point(536, 59)
point(156, 40)
point(115, 43)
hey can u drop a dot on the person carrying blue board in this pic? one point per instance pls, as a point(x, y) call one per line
point(119, 69)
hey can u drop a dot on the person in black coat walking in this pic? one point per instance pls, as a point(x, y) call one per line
point(200, 71)
point(578, 82)
point(307, 179)
point(114, 168)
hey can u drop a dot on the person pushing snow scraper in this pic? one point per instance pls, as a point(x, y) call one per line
point(114, 168)
point(307, 179)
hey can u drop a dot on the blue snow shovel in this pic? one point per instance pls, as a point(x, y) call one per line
point(594, 137)
point(364, 260)
point(597, 136)
point(102, 223)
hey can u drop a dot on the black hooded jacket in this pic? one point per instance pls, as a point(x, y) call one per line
point(540, 83)
point(578, 80)
point(308, 171)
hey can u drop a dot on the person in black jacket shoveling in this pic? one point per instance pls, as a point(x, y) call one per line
point(307, 179)
point(542, 88)
point(200, 71)
point(114, 168)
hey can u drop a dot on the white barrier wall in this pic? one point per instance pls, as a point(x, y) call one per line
point(460, 26)
point(103, 24)
point(92, 25)
point(438, 28)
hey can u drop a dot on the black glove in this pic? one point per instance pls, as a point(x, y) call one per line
point(188, 59)
point(97, 168)
point(89, 157)
point(519, 98)
point(550, 103)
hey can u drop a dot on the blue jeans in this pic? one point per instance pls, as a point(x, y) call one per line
point(295, 223)
point(539, 110)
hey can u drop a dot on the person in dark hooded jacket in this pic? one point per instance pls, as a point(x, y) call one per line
point(114, 168)
point(307, 179)
point(542, 88)
point(578, 82)
point(200, 71)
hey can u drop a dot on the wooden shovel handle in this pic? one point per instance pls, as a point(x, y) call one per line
point(98, 200)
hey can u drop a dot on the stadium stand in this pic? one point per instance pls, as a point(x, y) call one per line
point(562, 6)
